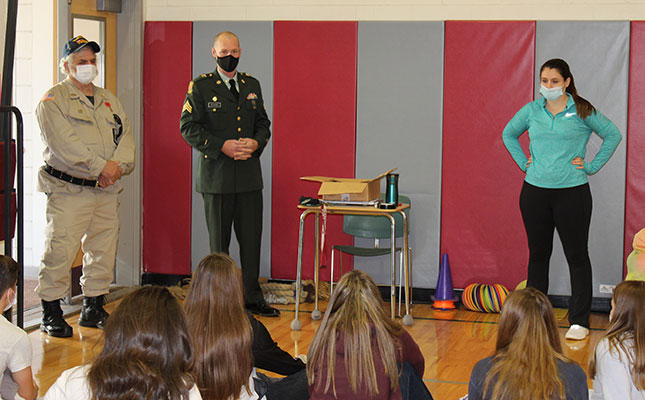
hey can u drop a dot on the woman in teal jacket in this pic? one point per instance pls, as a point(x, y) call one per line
point(556, 192)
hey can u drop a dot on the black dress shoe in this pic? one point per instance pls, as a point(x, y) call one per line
point(92, 314)
point(53, 322)
point(262, 309)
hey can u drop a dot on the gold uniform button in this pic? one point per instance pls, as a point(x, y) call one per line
point(238, 109)
point(214, 98)
point(239, 118)
point(239, 129)
point(205, 156)
point(219, 82)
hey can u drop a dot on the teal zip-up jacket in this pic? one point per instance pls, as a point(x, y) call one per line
point(556, 140)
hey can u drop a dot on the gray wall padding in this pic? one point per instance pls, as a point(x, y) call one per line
point(598, 55)
point(256, 41)
point(399, 124)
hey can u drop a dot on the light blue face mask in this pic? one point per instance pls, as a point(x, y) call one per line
point(551, 94)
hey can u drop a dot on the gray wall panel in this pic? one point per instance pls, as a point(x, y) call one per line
point(399, 124)
point(129, 83)
point(598, 55)
point(256, 41)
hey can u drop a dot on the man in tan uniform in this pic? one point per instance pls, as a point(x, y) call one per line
point(89, 146)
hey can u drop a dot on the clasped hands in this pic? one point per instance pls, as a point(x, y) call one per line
point(240, 149)
point(110, 174)
point(578, 162)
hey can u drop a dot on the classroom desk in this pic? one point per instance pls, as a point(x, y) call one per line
point(296, 325)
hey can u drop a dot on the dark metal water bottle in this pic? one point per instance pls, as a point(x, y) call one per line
point(392, 189)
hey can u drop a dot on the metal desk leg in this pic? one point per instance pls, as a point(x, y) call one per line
point(296, 325)
point(393, 262)
point(316, 314)
point(407, 319)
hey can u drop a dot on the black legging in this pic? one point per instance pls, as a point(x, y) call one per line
point(569, 211)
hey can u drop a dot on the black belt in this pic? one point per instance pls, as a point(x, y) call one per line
point(68, 178)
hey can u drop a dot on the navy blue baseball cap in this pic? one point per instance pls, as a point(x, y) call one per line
point(77, 43)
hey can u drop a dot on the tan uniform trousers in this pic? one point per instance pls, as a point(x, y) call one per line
point(92, 218)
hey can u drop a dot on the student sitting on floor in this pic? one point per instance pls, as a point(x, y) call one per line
point(355, 351)
point(15, 347)
point(222, 333)
point(618, 366)
point(147, 354)
point(528, 362)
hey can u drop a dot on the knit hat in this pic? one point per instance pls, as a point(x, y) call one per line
point(636, 260)
point(639, 241)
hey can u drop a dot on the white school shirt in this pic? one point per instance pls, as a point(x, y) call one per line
point(613, 380)
point(15, 354)
point(72, 384)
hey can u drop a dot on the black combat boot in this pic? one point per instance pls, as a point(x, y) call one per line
point(53, 322)
point(93, 315)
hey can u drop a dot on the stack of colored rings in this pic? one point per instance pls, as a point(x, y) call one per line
point(484, 298)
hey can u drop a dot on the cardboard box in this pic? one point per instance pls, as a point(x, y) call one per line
point(347, 189)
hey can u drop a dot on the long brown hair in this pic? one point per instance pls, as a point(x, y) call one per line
point(527, 350)
point(356, 312)
point(147, 352)
point(220, 328)
point(583, 107)
point(627, 325)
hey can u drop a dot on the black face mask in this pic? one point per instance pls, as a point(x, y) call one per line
point(228, 63)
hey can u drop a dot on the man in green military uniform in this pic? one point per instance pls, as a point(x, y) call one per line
point(224, 118)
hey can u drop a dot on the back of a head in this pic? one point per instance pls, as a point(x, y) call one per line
point(629, 311)
point(356, 315)
point(147, 352)
point(8, 273)
point(527, 315)
point(527, 349)
point(219, 327)
point(627, 328)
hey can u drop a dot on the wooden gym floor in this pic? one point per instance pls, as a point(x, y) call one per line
point(451, 341)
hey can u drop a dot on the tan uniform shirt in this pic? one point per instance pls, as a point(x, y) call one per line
point(80, 137)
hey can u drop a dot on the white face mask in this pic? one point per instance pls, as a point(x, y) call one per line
point(85, 73)
point(12, 303)
point(551, 94)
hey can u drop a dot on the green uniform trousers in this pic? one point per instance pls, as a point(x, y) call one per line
point(243, 212)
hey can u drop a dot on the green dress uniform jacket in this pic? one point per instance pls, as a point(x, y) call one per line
point(211, 116)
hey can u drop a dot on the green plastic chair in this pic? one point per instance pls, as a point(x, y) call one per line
point(373, 227)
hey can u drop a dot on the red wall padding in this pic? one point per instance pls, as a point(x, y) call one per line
point(314, 130)
point(489, 76)
point(635, 188)
point(167, 70)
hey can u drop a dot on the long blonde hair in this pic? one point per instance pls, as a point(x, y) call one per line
point(527, 350)
point(627, 324)
point(220, 328)
point(355, 313)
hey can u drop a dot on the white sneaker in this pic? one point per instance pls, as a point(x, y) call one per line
point(577, 332)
